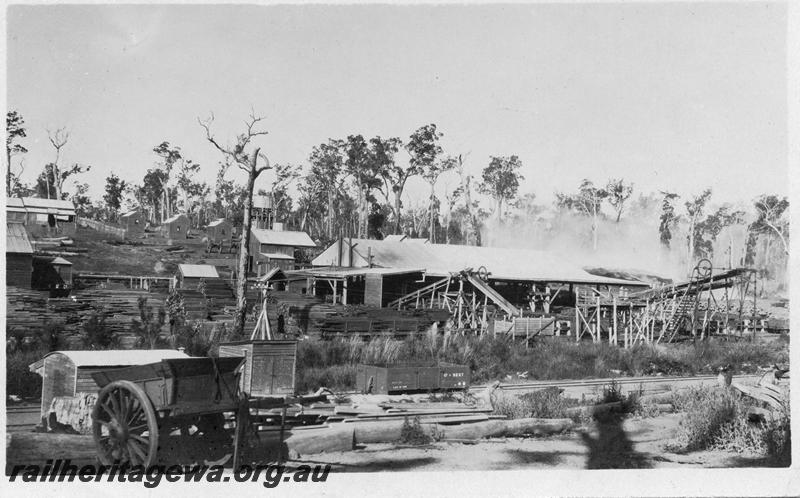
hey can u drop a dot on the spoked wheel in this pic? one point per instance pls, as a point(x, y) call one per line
point(124, 425)
point(703, 268)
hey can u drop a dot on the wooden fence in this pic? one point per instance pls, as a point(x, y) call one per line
point(102, 227)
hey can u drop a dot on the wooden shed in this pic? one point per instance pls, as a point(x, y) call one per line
point(66, 373)
point(189, 276)
point(175, 227)
point(19, 256)
point(219, 230)
point(51, 273)
point(133, 222)
point(269, 368)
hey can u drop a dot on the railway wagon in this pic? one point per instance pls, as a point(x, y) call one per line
point(409, 377)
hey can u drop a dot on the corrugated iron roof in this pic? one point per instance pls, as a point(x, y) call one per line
point(276, 255)
point(198, 271)
point(282, 238)
point(15, 205)
point(349, 272)
point(275, 272)
point(443, 259)
point(17, 241)
point(116, 358)
point(60, 261)
point(56, 206)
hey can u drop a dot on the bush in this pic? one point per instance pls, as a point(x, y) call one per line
point(413, 433)
point(547, 403)
point(707, 412)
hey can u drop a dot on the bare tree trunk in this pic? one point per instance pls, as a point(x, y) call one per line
point(431, 234)
point(397, 204)
point(244, 253)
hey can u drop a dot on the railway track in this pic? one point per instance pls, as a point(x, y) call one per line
point(647, 384)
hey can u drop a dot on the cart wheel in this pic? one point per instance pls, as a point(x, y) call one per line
point(124, 425)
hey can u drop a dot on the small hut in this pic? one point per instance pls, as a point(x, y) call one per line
point(51, 273)
point(219, 230)
point(133, 222)
point(66, 373)
point(189, 276)
point(19, 256)
point(175, 227)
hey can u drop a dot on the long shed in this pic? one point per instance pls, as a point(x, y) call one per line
point(66, 373)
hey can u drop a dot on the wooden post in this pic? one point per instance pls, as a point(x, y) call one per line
point(344, 292)
point(597, 321)
point(614, 314)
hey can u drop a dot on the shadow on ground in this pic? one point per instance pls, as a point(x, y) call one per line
point(612, 448)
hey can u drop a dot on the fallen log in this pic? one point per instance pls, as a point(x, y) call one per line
point(391, 431)
point(35, 448)
point(588, 411)
point(665, 397)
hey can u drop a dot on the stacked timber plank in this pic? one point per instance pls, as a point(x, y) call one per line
point(306, 315)
point(29, 311)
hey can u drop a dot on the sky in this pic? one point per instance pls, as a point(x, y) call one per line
point(673, 96)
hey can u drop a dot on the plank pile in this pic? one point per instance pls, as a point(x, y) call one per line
point(308, 315)
point(29, 311)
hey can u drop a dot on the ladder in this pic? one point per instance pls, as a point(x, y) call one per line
point(685, 308)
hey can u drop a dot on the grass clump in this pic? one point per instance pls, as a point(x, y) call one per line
point(547, 403)
point(717, 419)
point(413, 433)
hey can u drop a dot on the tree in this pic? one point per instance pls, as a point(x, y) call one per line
point(424, 149)
point(770, 210)
point(394, 175)
point(360, 164)
point(115, 188)
point(148, 327)
point(285, 175)
point(501, 181)
point(15, 130)
point(588, 202)
point(472, 235)
point(247, 161)
point(50, 183)
point(618, 195)
point(668, 218)
point(694, 213)
point(170, 156)
point(83, 204)
point(325, 178)
point(708, 229)
point(58, 139)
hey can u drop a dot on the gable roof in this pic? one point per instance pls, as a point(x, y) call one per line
point(15, 204)
point(175, 218)
point(114, 358)
point(443, 259)
point(17, 241)
point(198, 271)
point(131, 212)
point(282, 238)
point(54, 206)
point(217, 222)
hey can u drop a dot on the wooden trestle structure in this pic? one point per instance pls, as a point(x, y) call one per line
point(707, 304)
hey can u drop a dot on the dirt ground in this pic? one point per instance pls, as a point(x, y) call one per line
point(612, 444)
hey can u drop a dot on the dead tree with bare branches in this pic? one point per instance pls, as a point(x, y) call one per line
point(58, 139)
point(247, 161)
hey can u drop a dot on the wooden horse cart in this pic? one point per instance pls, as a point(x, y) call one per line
point(139, 405)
